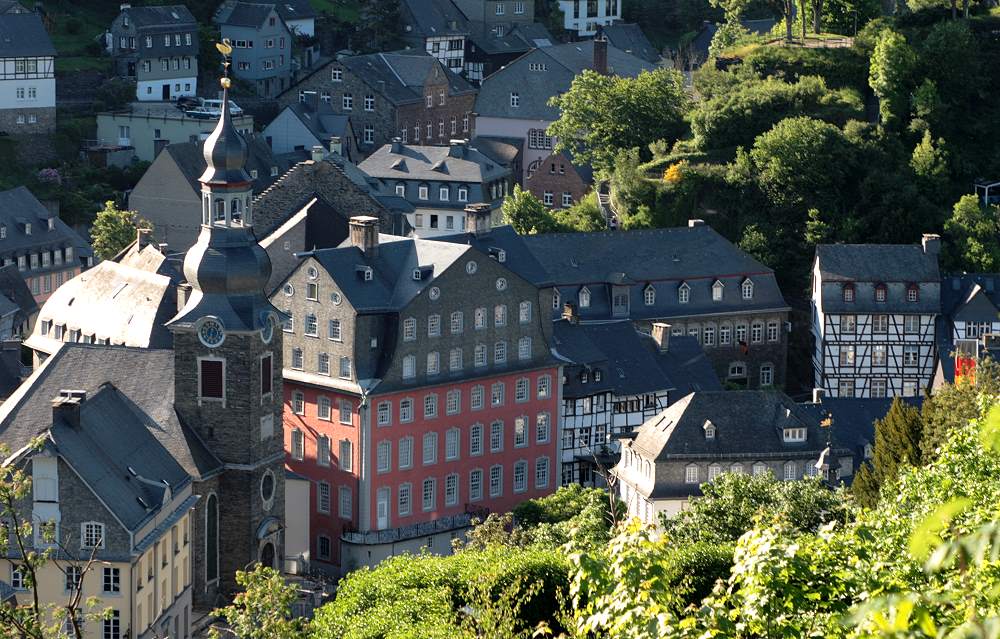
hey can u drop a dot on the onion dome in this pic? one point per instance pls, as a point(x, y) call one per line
point(225, 150)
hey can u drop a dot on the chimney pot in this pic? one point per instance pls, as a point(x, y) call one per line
point(396, 146)
point(478, 219)
point(335, 145)
point(696, 222)
point(931, 243)
point(661, 335)
point(66, 406)
point(364, 234)
point(125, 5)
point(317, 153)
point(818, 395)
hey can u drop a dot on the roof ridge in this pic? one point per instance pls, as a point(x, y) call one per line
point(390, 67)
point(274, 185)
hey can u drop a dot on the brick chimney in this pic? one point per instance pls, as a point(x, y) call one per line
point(601, 54)
point(478, 219)
point(66, 406)
point(661, 335)
point(569, 313)
point(364, 234)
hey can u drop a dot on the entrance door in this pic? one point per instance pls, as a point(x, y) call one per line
point(267, 555)
point(382, 508)
point(166, 92)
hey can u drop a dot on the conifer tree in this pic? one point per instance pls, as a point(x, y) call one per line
point(897, 444)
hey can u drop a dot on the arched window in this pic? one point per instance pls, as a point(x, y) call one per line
point(206, 209)
point(683, 293)
point(211, 538)
point(714, 470)
point(848, 292)
point(759, 468)
point(736, 468)
point(912, 293)
point(649, 295)
point(247, 219)
point(220, 210)
point(237, 210)
point(880, 292)
point(584, 297)
point(791, 471)
point(747, 288)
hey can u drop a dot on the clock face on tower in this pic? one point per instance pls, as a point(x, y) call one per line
point(267, 330)
point(211, 333)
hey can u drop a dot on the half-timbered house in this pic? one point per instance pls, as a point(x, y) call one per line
point(874, 313)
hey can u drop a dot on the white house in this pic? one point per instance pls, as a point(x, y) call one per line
point(28, 83)
point(585, 16)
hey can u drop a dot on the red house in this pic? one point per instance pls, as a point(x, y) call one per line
point(419, 391)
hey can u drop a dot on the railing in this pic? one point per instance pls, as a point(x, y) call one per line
point(423, 529)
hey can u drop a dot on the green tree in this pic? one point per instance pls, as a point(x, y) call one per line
point(897, 444)
point(602, 114)
point(803, 161)
point(954, 406)
point(262, 609)
point(892, 64)
point(114, 229)
point(755, 242)
point(380, 24)
point(526, 213)
point(930, 164)
point(972, 236)
point(585, 215)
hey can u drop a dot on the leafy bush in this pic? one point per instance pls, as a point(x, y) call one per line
point(839, 67)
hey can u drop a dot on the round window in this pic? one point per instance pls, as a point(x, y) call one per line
point(211, 333)
point(335, 298)
point(471, 267)
point(312, 272)
point(267, 487)
point(435, 293)
point(267, 330)
point(501, 284)
point(289, 290)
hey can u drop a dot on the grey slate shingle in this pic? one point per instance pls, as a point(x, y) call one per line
point(23, 34)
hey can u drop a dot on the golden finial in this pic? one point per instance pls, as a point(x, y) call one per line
point(226, 49)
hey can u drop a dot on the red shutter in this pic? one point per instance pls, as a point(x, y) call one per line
point(211, 378)
point(265, 375)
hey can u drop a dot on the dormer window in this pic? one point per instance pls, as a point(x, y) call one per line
point(683, 293)
point(796, 434)
point(584, 297)
point(709, 429)
point(880, 292)
point(401, 189)
point(3, 231)
point(912, 293)
point(27, 228)
point(848, 292)
point(597, 375)
point(717, 290)
point(649, 295)
point(501, 256)
point(416, 274)
point(747, 289)
point(365, 272)
point(584, 377)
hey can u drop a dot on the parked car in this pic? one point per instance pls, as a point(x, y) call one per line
point(216, 107)
point(186, 102)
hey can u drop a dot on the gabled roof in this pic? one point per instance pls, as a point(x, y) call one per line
point(628, 37)
point(748, 423)
point(630, 362)
point(174, 15)
point(392, 286)
point(143, 377)
point(14, 288)
point(521, 38)
point(322, 122)
point(854, 418)
point(23, 34)
point(518, 256)
point(242, 14)
point(543, 73)
point(127, 303)
point(19, 206)
point(400, 75)
point(457, 163)
point(434, 18)
point(876, 263)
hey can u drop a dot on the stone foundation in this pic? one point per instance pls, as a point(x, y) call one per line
point(45, 121)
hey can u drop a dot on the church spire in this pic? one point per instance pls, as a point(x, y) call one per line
point(227, 269)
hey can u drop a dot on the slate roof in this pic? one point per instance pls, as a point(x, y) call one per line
point(521, 38)
point(189, 158)
point(854, 418)
point(967, 297)
point(11, 6)
point(876, 263)
point(628, 37)
point(392, 287)
point(294, 9)
point(144, 378)
point(174, 15)
point(502, 150)
point(562, 63)
point(17, 206)
point(432, 163)
point(322, 122)
point(748, 425)
point(435, 18)
point(14, 288)
point(630, 362)
point(127, 303)
point(519, 258)
point(23, 34)
point(242, 14)
point(403, 74)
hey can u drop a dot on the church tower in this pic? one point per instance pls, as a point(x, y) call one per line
point(227, 375)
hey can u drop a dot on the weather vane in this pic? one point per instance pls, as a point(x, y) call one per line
point(226, 50)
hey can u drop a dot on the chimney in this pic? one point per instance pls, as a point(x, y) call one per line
point(661, 335)
point(569, 313)
point(335, 145)
point(364, 234)
point(396, 146)
point(142, 237)
point(601, 54)
point(317, 153)
point(125, 5)
point(183, 292)
point(931, 243)
point(695, 222)
point(162, 246)
point(66, 406)
point(457, 148)
point(478, 219)
point(818, 395)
